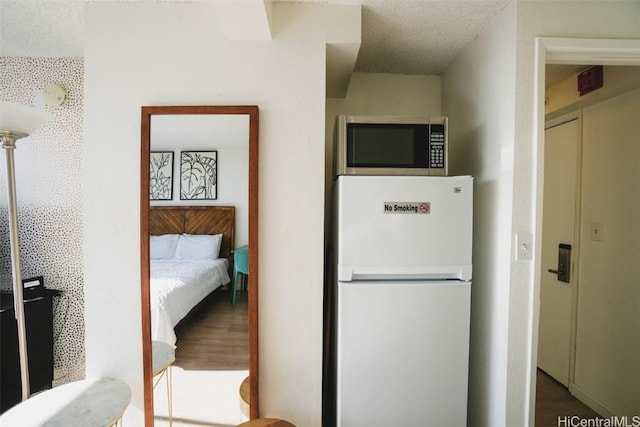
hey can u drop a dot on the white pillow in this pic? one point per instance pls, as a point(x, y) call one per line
point(163, 246)
point(198, 246)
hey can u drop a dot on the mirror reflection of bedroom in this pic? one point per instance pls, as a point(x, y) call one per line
point(198, 224)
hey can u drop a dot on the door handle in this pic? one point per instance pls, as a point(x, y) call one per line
point(564, 263)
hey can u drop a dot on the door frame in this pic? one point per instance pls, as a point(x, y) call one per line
point(554, 50)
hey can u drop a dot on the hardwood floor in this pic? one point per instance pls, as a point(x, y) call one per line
point(555, 405)
point(212, 360)
point(216, 337)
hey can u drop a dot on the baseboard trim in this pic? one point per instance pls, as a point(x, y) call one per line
point(590, 401)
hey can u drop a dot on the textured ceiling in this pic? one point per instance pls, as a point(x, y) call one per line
point(398, 36)
point(419, 36)
point(41, 28)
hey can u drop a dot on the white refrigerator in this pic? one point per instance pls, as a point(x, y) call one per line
point(403, 270)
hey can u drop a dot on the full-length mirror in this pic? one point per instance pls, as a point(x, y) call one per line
point(199, 263)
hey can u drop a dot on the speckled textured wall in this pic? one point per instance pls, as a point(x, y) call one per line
point(48, 187)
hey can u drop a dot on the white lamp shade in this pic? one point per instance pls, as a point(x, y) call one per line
point(20, 118)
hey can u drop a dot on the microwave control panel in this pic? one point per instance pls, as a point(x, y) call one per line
point(437, 147)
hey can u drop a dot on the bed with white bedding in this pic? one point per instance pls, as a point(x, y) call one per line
point(177, 286)
point(191, 256)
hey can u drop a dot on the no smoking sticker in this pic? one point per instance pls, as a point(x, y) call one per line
point(421, 208)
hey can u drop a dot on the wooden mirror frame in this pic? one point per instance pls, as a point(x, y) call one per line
point(253, 112)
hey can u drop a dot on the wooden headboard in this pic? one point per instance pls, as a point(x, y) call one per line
point(196, 220)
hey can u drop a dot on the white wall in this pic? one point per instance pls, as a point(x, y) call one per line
point(381, 93)
point(160, 53)
point(491, 90)
point(477, 97)
point(607, 372)
point(563, 97)
point(228, 135)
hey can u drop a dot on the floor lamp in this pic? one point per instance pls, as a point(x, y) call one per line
point(17, 121)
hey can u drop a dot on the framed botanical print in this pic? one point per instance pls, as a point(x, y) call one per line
point(198, 175)
point(161, 175)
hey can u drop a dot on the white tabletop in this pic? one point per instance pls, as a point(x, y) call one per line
point(163, 355)
point(87, 403)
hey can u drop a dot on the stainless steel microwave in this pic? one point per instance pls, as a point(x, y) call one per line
point(390, 145)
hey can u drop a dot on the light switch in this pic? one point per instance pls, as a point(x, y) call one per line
point(524, 246)
point(596, 232)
